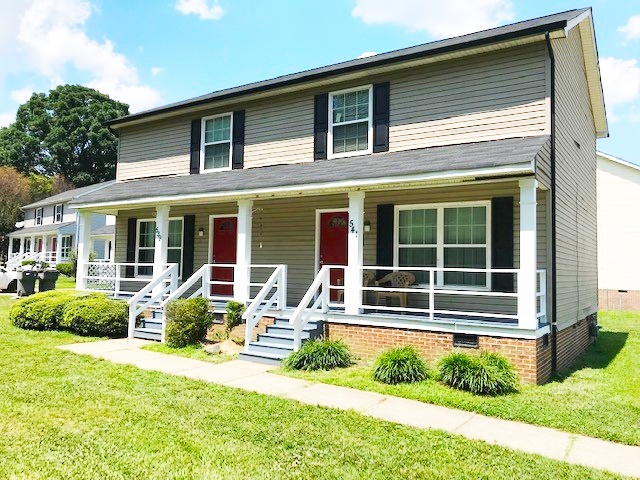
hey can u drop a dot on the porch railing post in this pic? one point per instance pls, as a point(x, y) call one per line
point(355, 248)
point(431, 294)
point(527, 277)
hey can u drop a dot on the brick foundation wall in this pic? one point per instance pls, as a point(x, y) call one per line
point(619, 299)
point(532, 358)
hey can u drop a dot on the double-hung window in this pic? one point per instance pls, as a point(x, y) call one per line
point(216, 143)
point(145, 248)
point(39, 216)
point(57, 213)
point(350, 125)
point(445, 235)
point(65, 247)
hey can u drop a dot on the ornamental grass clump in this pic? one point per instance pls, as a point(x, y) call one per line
point(400, 365)
point(487, 373)
point(319, 355)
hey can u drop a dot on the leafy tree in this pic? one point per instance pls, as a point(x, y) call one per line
point(63, 132)
point(14, 193)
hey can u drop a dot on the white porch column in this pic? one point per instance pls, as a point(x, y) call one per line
point(59, 248)
point(355, 248)
point(527, 277)
point(84, 248)
point(10, 251)
point(22, 239)
point(33, 247)
point(242, 278)
point(162, 240)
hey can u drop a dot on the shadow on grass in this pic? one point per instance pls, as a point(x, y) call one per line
point(599, 355)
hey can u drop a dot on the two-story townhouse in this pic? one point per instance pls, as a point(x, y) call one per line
point(442, 195)
point(49, 231)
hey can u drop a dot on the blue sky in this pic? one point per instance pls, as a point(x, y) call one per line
point(151, 52)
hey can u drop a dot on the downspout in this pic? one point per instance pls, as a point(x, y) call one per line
point(554, 308)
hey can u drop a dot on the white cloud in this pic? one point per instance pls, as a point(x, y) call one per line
point(156, 70)
point(21, 95)
point(51, 36)
point(6, 119)
point(439, 19)
point(367, 54)
point(631, 29)
point(620, 82)
point(200, 8)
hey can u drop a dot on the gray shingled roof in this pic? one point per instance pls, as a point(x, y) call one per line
point(51, 227)
point(67, 195)
point(514, 151)
point(519, 29)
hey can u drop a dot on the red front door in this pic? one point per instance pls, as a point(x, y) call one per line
point(333, 246)
point(39, 245)
point(223, 250)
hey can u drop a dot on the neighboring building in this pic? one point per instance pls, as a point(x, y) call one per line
point(618, 233)
point(400, 198)
point(49, 230)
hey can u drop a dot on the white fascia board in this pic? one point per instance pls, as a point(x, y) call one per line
point(618, 160)
point(405, 181)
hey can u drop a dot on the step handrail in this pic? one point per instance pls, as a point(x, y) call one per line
point(16, 261)
point(200, 274)
point(260, 305)
point(301, 315)
point(163, 284)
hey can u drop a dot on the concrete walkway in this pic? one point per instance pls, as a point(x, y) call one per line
point(578, 449)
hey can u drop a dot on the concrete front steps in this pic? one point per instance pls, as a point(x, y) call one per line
point(271, 347)
point(150, 328)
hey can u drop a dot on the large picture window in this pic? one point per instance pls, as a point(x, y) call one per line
point(350, 129)
point(146, 240)
point(216, 143)
point(446, 235)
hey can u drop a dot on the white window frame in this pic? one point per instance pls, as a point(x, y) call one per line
point(203, 144)
point(330, 153)
point(440, 245)
point(62, 247)
point(55, 213)
point(146, 220)
point(39, 215)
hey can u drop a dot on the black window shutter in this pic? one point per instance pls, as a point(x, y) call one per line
point(132, 231)
point(320, 126)
point(381, 117)
point(502, 242)
point(238, 141)
point(196, 131)
point(189, 232)
point(384, 237)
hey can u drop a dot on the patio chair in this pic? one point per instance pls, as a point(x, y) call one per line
point(368, 277)
point(395, 280)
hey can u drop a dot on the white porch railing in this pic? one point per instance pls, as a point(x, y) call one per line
point(152, 294)
point(122, 280)
point(273, 295)
point(15, 259)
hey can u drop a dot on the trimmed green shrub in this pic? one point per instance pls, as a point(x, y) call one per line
point(487, 373)
point(66, 269)
point(319, 355)
point(96, 315)
point(29, 263)
point(234, 315)
point(400, 365)
point(41, 311)
point(187, 321)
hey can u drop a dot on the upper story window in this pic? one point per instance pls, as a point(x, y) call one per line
point(39, 216)
point(57, 213)
point(350, 125)
point(216, 143)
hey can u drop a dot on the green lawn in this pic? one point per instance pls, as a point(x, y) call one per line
point(65, 282)
point(600, 397)
point(69, 416)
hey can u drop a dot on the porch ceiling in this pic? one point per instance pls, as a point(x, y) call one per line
point(498, 157)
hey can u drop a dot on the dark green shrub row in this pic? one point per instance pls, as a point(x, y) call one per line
point(66, 269)
point(319, 355)
point(187, 321)
point(85, 314)
point(487, 373)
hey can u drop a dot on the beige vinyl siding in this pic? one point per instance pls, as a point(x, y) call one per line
point(618, 226)
point(490, 96)
point(543, 165)
point(576, 218)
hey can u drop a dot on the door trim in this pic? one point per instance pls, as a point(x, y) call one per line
point(319, 211)
point(210, 240)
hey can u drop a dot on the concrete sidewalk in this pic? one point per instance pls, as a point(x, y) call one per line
point(578, 449)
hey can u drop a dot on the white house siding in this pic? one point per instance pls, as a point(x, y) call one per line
point(618, 226)
point(497, 95)
point(577, 276)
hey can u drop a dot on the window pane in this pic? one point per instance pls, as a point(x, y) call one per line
point(147, 234)
point(217, 129)
point(216, 156)
point(418, 257)
point(351, 106)
point(351, 138)
point(465, 258)
point(174, 256)
point(145, 255)
point(418, 227)
point(175, 233)
point(465, 225)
